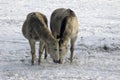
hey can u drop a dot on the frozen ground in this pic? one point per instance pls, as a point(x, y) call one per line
point(97, 50)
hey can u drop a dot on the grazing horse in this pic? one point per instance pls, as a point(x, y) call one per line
point(64, 27)
point(35, 29)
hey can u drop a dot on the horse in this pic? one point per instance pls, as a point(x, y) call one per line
point(64, 27)
point(35, 28)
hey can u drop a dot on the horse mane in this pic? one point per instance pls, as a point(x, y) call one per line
point(45, 19)
point(63, 25)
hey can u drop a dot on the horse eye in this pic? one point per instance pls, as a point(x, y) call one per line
point(60, 49)
point(53, 44)
point(55, 49)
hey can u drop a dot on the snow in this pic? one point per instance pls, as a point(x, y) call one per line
point(97, 50)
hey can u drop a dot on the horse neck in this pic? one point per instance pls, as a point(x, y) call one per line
point(48, 37)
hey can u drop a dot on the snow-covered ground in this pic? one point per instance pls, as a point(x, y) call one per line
point(97, 50)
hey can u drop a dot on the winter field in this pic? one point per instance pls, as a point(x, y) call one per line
point(97, 49)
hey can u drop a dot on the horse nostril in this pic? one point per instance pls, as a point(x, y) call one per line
point(59, 61)
point(56, 61)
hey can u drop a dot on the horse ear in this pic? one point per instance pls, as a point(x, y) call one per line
point(60, 42)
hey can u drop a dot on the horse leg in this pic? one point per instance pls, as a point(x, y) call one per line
point(46, 52)
point(72, 48)
point(32, 45)
point(41, 48)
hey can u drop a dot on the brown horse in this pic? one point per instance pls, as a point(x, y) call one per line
point(35, 29)
point(64, 27)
